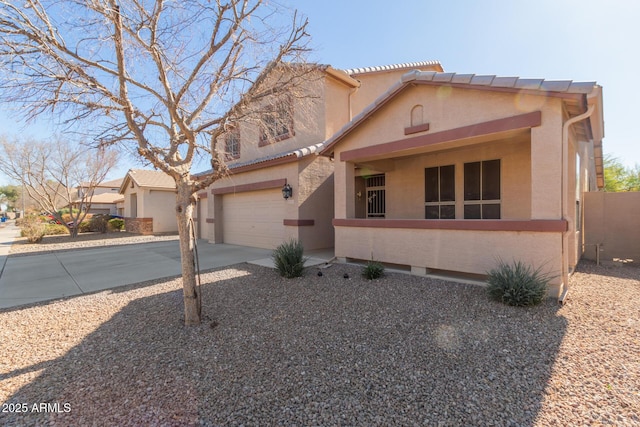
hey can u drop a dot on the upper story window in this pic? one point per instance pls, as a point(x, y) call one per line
point(482, 190)
point(277, 122)
point(440, 192)
point(232, 145)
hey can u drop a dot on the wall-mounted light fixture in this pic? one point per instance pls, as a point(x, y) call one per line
point(287, 191)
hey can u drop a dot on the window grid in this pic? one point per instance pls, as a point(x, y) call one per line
point(277, 123)
point(232, 145)
point(482, 181)
point(440, 200)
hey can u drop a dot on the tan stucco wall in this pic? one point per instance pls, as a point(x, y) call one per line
point(372, 85)
point(613, 221)
point(202, 213)
point(308, 124)
point(464, 251)
point(531, 181)
point(160, 205)
point(405, 183)
point(315, 201)
point(456, 108)
point(156, 204)
point(312, 181)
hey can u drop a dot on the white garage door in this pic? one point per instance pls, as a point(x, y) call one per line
point(254, 218)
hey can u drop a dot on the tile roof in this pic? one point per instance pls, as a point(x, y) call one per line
point(103, 198)
point(566, 86)
point(298, 153)
point(114, 183)
point(151, 178)
point(406, 65)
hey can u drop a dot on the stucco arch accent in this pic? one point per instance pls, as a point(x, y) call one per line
point(417, 115)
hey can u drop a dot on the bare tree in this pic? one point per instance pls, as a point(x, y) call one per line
point(169, 77)
point(53, 170)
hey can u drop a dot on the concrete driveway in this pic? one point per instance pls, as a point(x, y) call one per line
point(41, 277)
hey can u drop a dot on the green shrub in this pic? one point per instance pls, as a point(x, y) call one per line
point(517, 284)
point(116, 224)
point(288, 259)
point(33, 229)
point(373, 270)
point(55, 229)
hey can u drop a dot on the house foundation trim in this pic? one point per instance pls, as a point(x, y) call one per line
point(519, 122)
point(298, 222)
point(254, 186)
point(539, 225)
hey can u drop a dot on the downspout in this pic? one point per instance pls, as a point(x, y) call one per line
point(565, 197)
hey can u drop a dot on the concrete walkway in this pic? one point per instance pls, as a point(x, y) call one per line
point(41, 277)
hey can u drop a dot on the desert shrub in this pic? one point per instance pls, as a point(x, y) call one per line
point(116, 223)
point(288, 259)
point(517, 284)
point(33, 229)
point(99, 223)
point(55, 229)
point(84, 227)
point(373, 270)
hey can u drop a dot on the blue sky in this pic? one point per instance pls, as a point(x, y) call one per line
point(582, 40)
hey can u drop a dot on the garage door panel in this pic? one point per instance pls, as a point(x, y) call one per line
point(254, 218)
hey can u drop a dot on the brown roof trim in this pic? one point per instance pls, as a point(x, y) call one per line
point(537, 225)
point(521, 121)
point(299, 222)
point(266, 164)
point(254, 186)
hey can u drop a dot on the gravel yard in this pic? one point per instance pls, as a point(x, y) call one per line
point(400, 350)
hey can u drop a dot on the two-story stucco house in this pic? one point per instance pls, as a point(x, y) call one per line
point(248, 207)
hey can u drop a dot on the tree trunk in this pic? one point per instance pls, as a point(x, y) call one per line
point(184, 216)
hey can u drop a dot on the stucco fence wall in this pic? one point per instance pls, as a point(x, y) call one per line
point(612, 221)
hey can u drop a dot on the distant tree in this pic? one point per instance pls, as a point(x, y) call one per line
point(618, 177)
point(9, 194)
point(166, 79)
point(52, 170)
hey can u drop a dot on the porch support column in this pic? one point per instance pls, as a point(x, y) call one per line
point(344, 185)
point(215, 206)
point(546, 168)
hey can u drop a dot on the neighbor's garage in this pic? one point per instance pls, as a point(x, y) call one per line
point(254, 218)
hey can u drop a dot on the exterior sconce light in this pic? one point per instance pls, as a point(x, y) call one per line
point(287, 191)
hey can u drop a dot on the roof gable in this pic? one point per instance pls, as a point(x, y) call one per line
point(148, 179)
point(557, 88)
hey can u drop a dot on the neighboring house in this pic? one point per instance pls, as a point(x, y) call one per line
point(248, 207)
point(104, 197)
point(447, 172)
point(149, 199)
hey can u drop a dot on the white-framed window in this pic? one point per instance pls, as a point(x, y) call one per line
point(440, 192)
point(232, 145)
point(482, 190)
point(376, 203)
